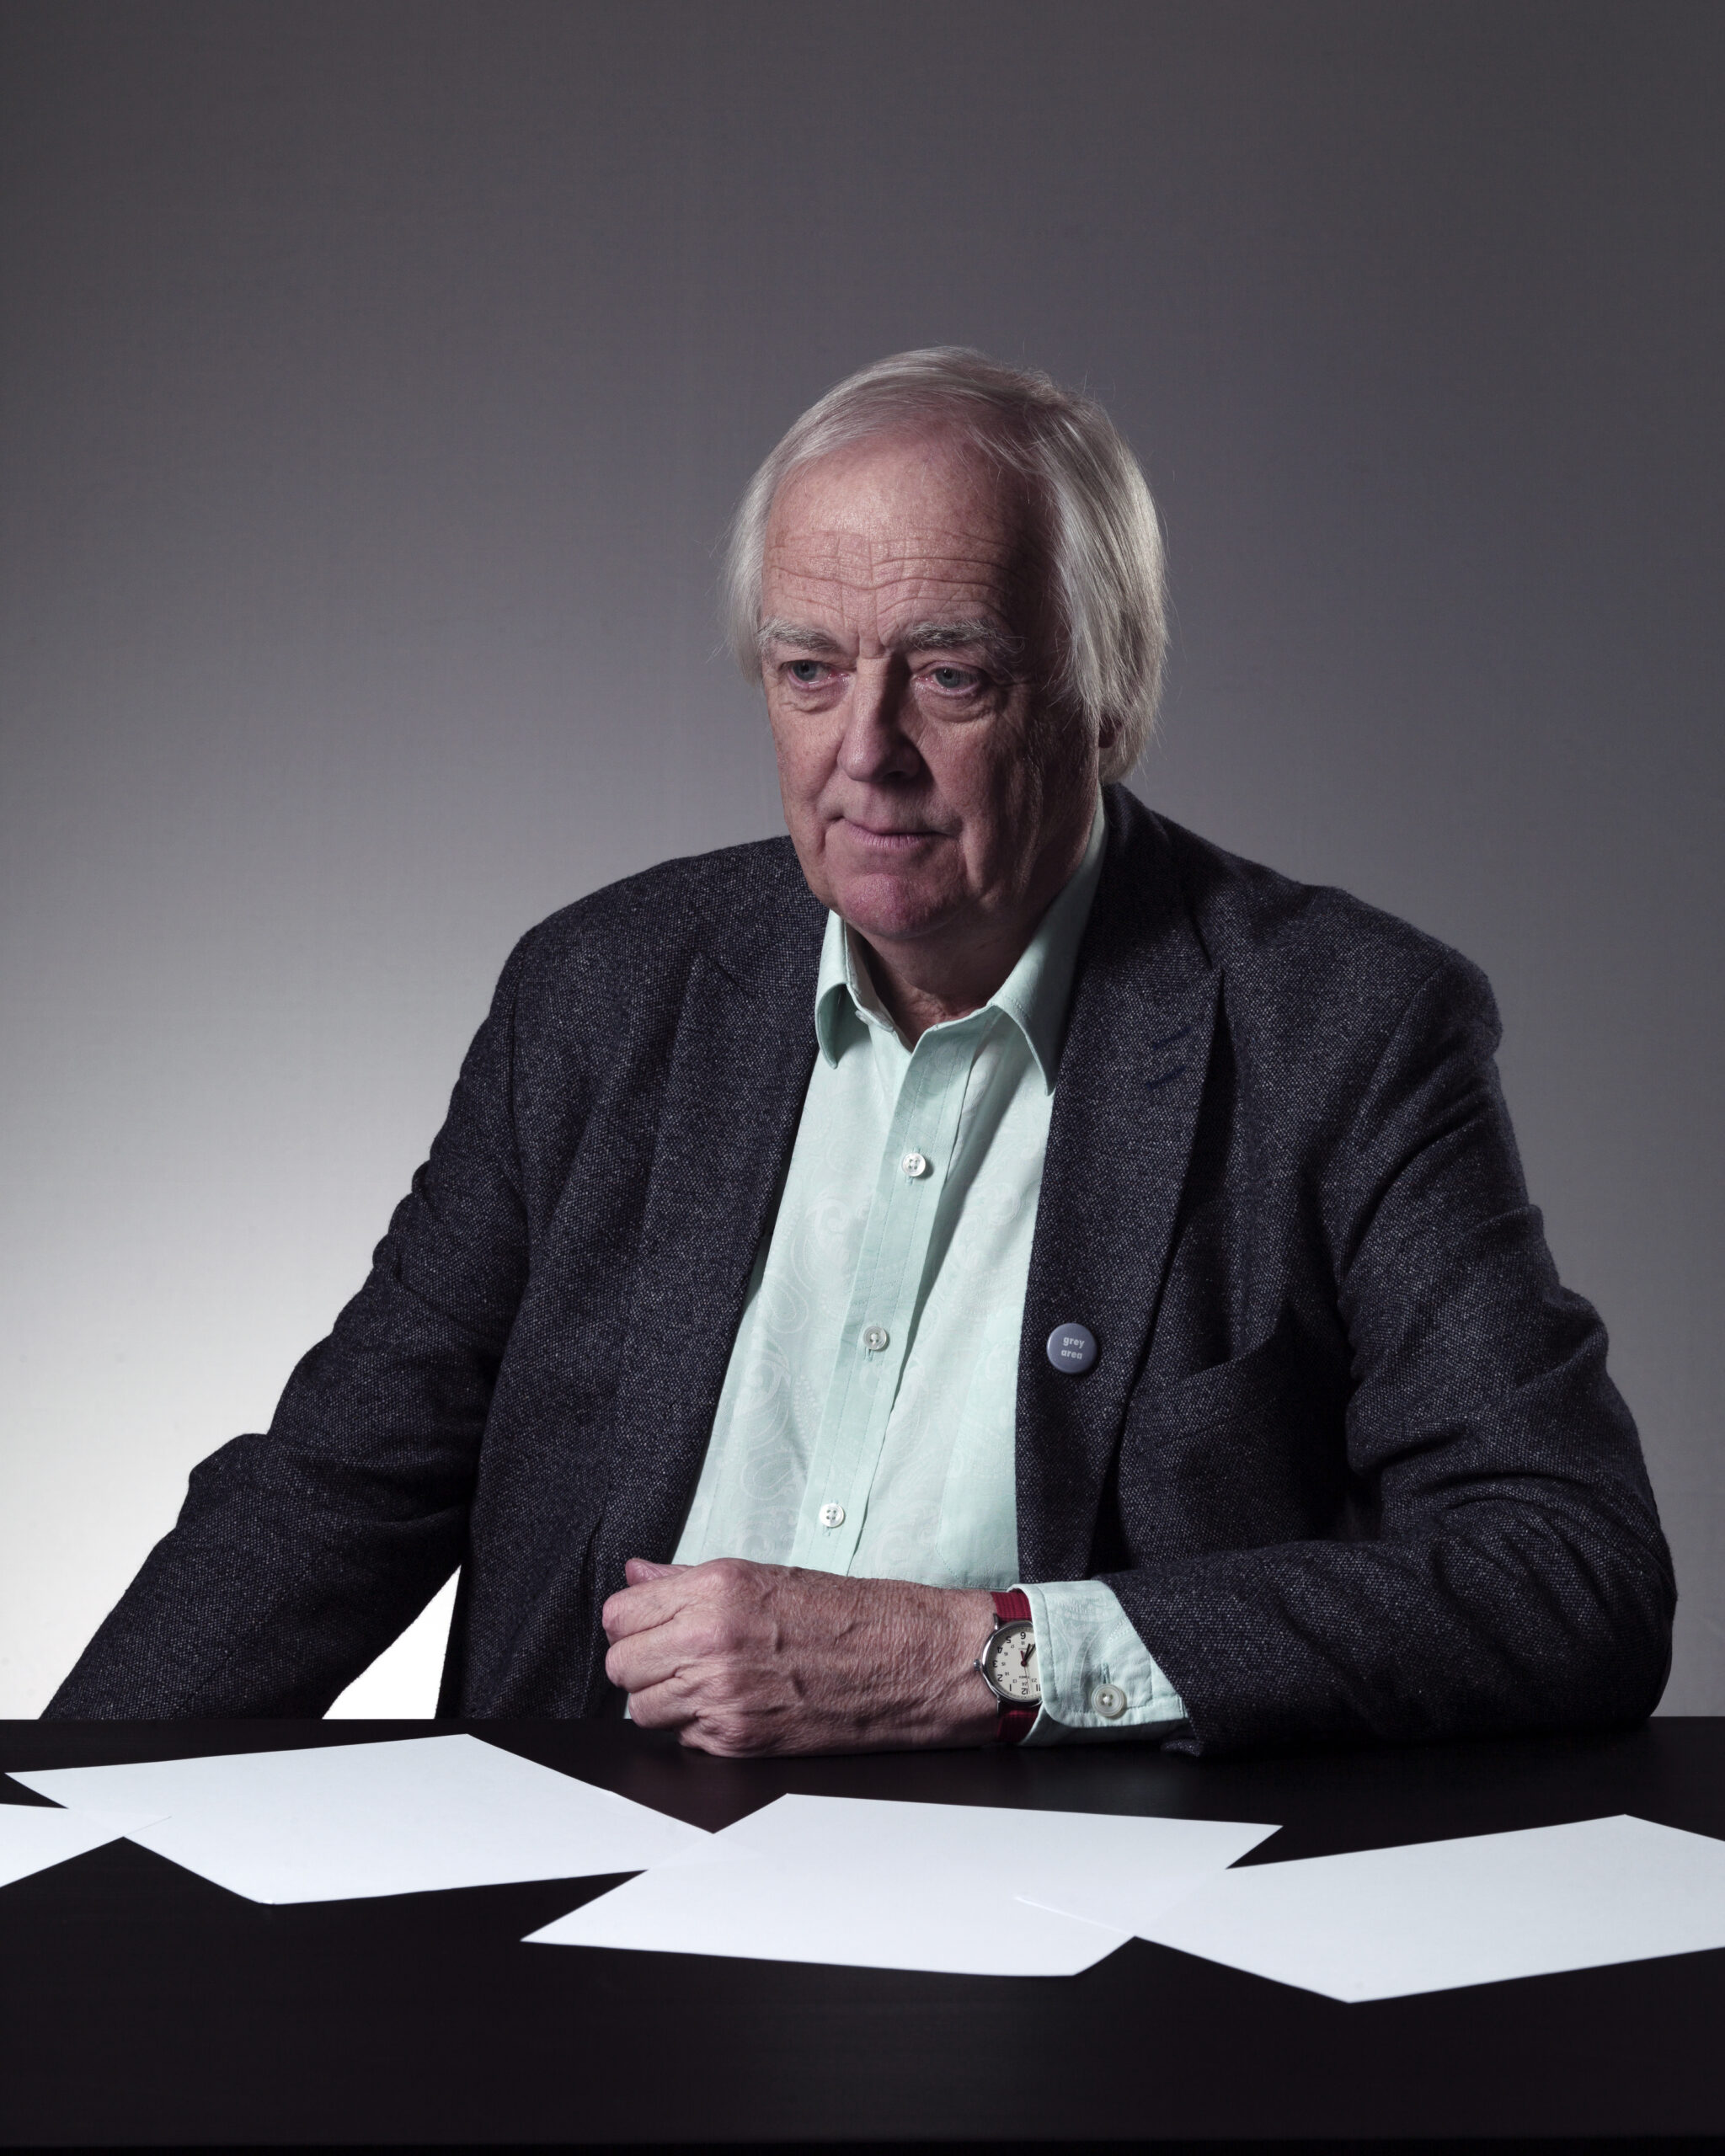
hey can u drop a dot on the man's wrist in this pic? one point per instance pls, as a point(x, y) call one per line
point(1006, 1663)
point(971, 1615)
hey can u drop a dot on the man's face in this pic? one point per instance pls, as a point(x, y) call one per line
point(934, 800)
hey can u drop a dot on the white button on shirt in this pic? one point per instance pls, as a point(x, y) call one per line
point(905, 1224)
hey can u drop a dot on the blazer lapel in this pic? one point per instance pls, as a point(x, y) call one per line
point(739, 1068)
point(1125, 1109)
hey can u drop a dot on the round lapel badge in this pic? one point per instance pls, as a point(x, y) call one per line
point(1071, 1348)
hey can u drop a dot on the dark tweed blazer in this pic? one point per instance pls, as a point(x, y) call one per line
point(1348, 1454)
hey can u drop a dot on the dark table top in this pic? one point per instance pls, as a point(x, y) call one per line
point(139, 2004)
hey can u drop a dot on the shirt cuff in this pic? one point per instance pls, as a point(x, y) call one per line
point(1098, 1679)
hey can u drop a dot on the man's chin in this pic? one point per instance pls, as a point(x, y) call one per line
point(888, 908)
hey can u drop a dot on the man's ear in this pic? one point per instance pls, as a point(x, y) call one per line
point(1109, 733)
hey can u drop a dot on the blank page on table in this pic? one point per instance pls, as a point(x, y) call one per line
point(1116, 1868)
point(337, 1821)
point(758, 1909)
point(870, 1882)
point(1431, 1916)
point(33, 1838)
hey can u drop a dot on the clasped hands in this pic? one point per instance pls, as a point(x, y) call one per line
point(739, 1658)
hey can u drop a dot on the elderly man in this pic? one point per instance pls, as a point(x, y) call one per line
point(996, 1266)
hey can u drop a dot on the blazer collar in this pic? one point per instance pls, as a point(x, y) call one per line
point(737, 1073)
point(1125, 1113)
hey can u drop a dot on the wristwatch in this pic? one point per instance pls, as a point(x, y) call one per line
point(1007, 1666)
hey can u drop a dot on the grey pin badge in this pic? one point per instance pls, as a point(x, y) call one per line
point(1071, 1348)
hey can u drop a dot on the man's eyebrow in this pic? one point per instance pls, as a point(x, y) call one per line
point(1003, 649)
point(798, 635)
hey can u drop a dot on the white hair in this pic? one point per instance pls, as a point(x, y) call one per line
point(1099, 527)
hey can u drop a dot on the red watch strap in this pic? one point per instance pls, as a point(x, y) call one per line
point(1015, 1723)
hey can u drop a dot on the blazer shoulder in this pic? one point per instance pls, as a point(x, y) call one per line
point(1307, 966)
point(1256, 921)
point(647, 927)
point(696, 895)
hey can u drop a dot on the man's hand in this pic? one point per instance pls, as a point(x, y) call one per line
point(740, 1658)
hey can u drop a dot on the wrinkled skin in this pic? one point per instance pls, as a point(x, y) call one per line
point(934, 799)
point(739, 1658)
point(937, 802)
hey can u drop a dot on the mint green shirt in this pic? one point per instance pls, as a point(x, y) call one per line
point(866, 1421)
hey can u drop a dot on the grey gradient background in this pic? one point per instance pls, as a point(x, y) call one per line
point(378, 378)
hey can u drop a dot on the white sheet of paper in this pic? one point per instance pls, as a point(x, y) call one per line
point(337, 1821)
point(32, 1839)
point(1382, 1924)
point(872, 1883)
point(766, 1910)
point(1108, 1868)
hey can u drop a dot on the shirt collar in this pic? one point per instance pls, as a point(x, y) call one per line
point(1033, 996)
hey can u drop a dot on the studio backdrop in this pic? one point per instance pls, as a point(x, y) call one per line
point(378, 377)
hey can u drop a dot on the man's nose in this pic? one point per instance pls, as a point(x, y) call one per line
point(876, 745)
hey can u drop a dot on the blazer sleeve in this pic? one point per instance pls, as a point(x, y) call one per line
point(1514, 1575)
point(301, 1552)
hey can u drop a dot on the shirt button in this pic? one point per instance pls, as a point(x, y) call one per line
point(832, 1515)
point(875, 1337)
point(915, 1163)
point(1110, 1701)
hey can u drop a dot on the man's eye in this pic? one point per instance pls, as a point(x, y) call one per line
point(955, 679)
point(807, 673)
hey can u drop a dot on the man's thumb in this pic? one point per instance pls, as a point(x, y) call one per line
point(639, 1570)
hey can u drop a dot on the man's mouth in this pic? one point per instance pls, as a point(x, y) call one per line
point(887, 840)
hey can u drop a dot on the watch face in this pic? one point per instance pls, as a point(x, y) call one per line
point(1011, 1663)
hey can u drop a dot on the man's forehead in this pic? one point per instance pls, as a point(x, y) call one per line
point(856, 578)
point(873, 561)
